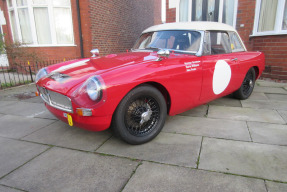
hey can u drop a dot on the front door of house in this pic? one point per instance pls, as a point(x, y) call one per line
point(3, 56)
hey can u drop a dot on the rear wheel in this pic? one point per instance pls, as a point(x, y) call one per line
point(247, 86)
point(140, 116)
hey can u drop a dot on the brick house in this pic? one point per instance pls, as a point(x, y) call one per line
point(262, 25)
point(71, 28)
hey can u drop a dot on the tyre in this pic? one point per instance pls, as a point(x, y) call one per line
point(247, 86)
point(140, 116)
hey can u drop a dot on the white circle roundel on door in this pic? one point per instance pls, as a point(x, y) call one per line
point(221, 76)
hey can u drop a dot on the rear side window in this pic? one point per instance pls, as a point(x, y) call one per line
point(236, 45)
point(220, 43)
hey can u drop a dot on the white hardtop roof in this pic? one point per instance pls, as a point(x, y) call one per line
point(196, 25)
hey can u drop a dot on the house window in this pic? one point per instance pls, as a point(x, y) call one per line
point(41, 22)
point(223, 11)
point(270, 17)
point(183, 7)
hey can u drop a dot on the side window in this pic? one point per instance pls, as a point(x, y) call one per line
point(220, 43)
point(236, 45)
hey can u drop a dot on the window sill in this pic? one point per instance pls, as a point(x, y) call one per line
point(267, 34)
point(49, 45)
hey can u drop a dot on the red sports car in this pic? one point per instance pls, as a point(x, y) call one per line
point(172, 68)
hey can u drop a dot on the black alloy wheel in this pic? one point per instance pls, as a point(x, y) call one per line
point(247, 85)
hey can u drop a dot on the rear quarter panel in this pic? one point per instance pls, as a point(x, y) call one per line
point(248, 60)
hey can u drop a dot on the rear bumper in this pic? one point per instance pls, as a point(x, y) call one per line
point(92, 123)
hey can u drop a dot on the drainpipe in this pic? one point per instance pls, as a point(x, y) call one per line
point(80, 28)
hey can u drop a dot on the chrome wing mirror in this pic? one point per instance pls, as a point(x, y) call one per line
point(162, 54)
point(95, 52)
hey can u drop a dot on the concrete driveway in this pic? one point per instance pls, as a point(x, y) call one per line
point(226, 145)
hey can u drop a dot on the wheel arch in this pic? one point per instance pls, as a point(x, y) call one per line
point(163, 91)
point(256, 68)
point(159, 87)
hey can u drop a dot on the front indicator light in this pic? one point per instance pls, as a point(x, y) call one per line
point(84, 112)
point(37, 93)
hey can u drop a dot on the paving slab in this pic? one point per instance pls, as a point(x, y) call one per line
point(283, 114)
point(23, 109)
point(258, 96)
point(34, 100)
point(17, 127)
point(8, 189)
point(218, 128)
point(69, 170)
point(260, 89)
point(46, 115)
point(165, 148)
point(277, 97)
point(245, 114)
point(282, 105)
point(18, 93)
point(5, 103)
point(244, 158)
point(61, 134)
point(226, 101)
point(156, 177)
point(265, 83)
point(276, 187)
point(15, 153)
point(199, 111)
point(30, 88)
point(268, 133)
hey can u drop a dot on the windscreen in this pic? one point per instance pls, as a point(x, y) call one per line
point(174, 40)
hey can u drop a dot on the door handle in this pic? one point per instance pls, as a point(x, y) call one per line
point(234, 59)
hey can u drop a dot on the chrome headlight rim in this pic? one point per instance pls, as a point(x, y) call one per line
point(94, 88)
point(41, 73)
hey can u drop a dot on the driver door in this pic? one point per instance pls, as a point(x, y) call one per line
point(220, 66)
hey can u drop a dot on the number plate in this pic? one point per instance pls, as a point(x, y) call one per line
point(70, 119)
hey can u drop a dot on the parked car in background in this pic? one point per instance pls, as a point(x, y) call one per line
point(172, 68)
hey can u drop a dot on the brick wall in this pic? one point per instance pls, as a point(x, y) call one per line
point(273, 46)
point(275, 49)
point(116, 24)
point(170, 13)
point(245, 16)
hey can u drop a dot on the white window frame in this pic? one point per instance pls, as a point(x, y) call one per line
point(30, 7)
point(220, 11)
point(278, 21)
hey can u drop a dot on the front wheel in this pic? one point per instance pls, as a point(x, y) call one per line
point(247, 86)
point(140, 116)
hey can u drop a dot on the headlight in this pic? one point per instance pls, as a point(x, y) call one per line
point(41, 73)
point(91, 94)
point(94, 89)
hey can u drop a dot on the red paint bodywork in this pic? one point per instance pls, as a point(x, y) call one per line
point(122, 72)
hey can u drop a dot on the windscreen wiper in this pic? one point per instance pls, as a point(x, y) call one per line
point(156, 48)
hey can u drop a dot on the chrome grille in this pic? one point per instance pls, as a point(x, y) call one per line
point(56, 100)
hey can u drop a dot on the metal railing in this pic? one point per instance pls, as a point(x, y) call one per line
point(22, 73)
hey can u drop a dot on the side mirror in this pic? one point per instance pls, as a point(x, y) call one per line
point(163, 54)
point(95, 52)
